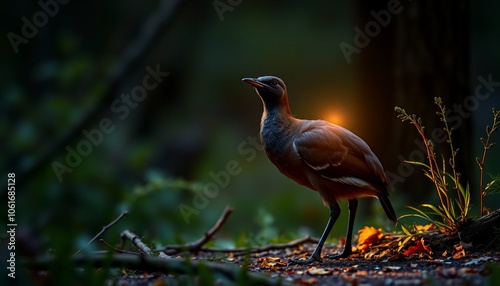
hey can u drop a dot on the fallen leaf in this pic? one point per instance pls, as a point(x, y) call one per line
point(459, 252)
point(350, 269)
point(270, 262)
point(368, 236)
point(273, 259)
point(418, 248)
point(319, 271)
point(370, 254)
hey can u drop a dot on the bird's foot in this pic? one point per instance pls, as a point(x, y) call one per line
point(313, 258)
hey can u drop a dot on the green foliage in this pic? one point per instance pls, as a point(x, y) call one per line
point(454, 198)
point(266, 233)
point(409, 236)
point(493, 187)
point(268, 230)
point(161, 221)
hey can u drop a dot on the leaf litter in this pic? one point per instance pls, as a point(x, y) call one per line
point(382, 258)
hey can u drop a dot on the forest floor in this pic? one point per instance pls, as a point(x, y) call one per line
point(424, 256)
point(473, 268)
point(357, 270)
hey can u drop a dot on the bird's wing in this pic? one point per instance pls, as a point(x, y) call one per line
point(338, 154)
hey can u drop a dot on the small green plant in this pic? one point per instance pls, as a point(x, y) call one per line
point(454, 198)
point(493, 185)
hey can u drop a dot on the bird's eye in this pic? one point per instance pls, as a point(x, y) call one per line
point(274, 82)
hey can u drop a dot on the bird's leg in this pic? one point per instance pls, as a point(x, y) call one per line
point(353, 206)
point(316, 256)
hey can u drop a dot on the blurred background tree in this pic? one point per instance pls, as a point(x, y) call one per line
point(187, 130)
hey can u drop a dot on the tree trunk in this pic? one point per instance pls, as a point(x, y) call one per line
point(422, 53)
point(432, 60)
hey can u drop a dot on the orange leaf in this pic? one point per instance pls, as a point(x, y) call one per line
point(273, 259)
point(270, 262)
point(427, 227)
point(459, 252)
point(419, 247)
point(368, 236)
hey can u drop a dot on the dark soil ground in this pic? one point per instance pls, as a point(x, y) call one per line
point(475, 268)
point(356, 270)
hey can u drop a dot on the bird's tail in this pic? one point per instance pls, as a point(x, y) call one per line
point(387, 206)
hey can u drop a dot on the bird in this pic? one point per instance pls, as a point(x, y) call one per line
point(322, 156)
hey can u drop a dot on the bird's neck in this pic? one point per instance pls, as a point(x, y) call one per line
point(278, 110)
point(276, 115)
point(276, 125)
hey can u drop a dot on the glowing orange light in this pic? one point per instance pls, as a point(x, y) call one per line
point(334, 105)
point(335, 117)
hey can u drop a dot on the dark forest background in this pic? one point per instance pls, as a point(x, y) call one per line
point(193, 131)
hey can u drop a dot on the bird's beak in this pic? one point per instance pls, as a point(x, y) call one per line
point(253, 82)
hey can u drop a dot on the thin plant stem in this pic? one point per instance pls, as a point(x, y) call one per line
point(456, 176)
point(486, 146)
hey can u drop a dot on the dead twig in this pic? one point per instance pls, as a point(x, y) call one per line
point(196, 246)
point(270, 247)
point(117, 249)
point(136, 240)
point(104, 229)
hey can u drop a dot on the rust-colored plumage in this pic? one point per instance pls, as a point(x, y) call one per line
point(320, 155)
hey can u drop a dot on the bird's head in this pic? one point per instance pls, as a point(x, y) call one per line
point(271, 89)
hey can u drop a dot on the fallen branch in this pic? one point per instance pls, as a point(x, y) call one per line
point(118, 249)
point(156, 264)
point(196, 246)
point(270, 247)
point(104, 229)
point(480, 232)
point(136, 240)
